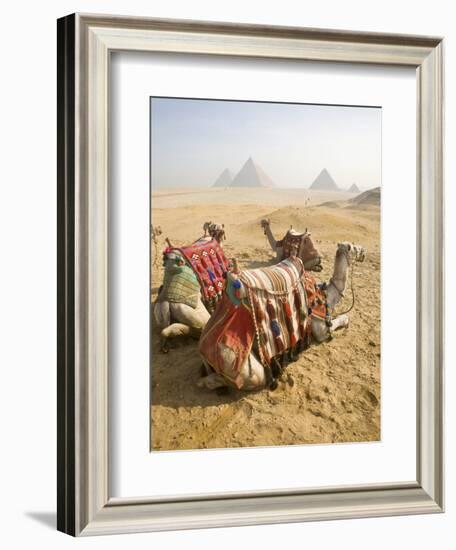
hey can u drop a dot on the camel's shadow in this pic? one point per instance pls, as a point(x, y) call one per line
point(196, 397)
point(174, 377)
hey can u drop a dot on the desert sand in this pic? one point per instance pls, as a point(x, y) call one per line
point(332, 392)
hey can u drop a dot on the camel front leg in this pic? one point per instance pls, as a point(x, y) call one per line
point(173, 331)
point(212, 381)
point(320, 331)
point(339, 322)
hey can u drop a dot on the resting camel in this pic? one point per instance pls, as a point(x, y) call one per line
point(214, 231)
point(193, 282)
point(233, 344)
point(156, 231)
point(306, 249)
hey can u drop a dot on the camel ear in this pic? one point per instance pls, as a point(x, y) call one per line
point(349, 246)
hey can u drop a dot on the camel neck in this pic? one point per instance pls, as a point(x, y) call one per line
point(270, 236)
point(338, 280)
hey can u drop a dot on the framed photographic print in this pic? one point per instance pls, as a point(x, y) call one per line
point(250, 285)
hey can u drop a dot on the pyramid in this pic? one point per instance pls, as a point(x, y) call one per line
point(324, 182)
point(354, 189)
point(224, 180)
point(251, 175)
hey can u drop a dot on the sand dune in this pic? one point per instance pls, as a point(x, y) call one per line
point(364, 200)
point(332, 393)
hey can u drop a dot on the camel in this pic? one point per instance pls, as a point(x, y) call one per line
point(214, 231)
point(182, 306)
point(253, 373)
point(156, 231)
point(306, 250)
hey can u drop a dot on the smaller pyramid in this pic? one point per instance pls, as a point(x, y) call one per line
point(324, 182)
point(224, 180)
point(354, 189)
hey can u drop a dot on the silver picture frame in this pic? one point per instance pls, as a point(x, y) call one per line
point(85, 506)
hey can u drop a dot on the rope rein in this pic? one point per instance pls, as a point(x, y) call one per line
point(352, 291)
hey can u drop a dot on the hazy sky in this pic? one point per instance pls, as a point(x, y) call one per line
point(193, 141)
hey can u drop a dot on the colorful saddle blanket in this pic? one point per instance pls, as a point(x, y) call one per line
point(291, 243)
point(227, 339)
point(209, 263)
point(316, 298)
point(180, 285)
point(277, 299)
point(299, 244)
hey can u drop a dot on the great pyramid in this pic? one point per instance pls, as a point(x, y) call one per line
point(251, 175)
point(324, 182)
point(224, 180)
point(354, 189)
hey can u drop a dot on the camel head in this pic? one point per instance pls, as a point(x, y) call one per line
point(173, 261)
point(265, 223)
point(353, 252)
point(156, 231)
point(214, 230)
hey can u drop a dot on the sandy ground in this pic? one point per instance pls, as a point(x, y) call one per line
point(332, 392)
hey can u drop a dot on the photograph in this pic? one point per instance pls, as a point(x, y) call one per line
point(212, 212)
point(265, 273)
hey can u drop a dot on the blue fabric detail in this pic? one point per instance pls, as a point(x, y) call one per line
point(275, 327)
point(230, 291)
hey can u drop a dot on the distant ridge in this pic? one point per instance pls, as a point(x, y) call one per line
point(224, 180)
point(252, 175)
point(371, 196)
point(324, 182)
point(354, 189)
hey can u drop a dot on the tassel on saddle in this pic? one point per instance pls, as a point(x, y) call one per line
point(289, 321)
point(275, 327)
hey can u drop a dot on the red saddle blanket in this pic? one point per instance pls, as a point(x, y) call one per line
point(316, 299)
point(208, 261)
point(227, 339)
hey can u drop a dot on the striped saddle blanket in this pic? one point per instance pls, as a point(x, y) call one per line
point(209, 263)
point(277, 300)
